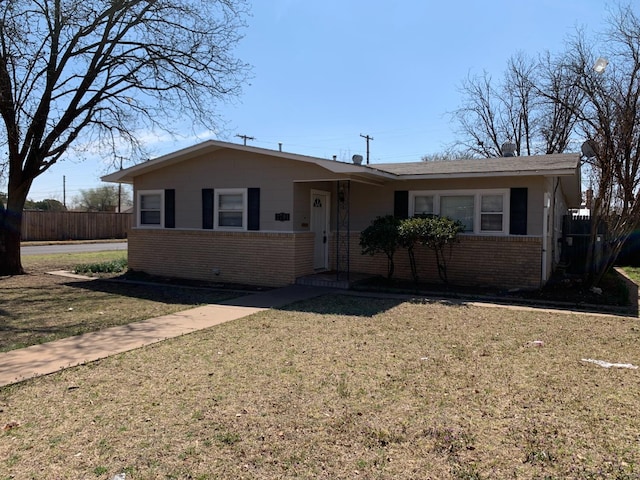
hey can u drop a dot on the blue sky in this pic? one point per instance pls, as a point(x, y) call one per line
point(325, 72)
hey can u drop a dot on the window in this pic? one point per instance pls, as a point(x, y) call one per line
point(483, 211)
point(230, 209)
point(458, 207)
point(150, 208)
point(491, 216)
point(423, 205)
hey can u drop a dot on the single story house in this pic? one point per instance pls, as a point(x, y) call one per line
point(225, 212)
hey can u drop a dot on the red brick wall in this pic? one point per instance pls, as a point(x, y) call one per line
point(255, 258)
point(304, 243)
point(277, 259)
point(508, 262)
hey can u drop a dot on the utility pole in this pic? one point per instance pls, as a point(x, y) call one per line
point(367, 138)
point(245, 138)
point(64, 191)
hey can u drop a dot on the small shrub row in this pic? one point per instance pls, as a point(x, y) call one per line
point(387, 234)
point(114, 266)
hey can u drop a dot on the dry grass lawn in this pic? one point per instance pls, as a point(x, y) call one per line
point(38, 308)
point(344, 387)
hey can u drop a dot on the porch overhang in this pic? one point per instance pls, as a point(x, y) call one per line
point(374, 181)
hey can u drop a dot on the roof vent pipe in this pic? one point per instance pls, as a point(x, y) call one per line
point(280, 146)
point(335, 157)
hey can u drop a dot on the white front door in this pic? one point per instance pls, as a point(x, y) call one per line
point(320, 227)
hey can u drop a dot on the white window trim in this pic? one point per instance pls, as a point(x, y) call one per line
point(216, 201)
point(139, 196)
point(477, 194)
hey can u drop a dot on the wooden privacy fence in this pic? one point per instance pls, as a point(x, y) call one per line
point(43, 226)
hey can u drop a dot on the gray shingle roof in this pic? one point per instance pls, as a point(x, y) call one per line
point(536, 165)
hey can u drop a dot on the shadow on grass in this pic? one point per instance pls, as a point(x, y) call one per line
point(157, 292)
point(618, 294)
point(324, 301)
point(45, 312)
point(36, 335)
point(344, 304)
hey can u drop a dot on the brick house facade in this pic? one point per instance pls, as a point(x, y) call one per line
point(237, 214)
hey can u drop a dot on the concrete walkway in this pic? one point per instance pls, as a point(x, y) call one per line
point(19, 365)
point(22, 364)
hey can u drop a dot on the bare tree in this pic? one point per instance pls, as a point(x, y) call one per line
point(479, 117)
point(609, 119)
point(514, 110)
point(564, 101)
point(94, 71)
point(445, 155)
point(559, 103)
point(517, 97)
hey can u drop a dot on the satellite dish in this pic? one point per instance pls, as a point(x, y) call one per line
point(357, 159)
point(588, 149)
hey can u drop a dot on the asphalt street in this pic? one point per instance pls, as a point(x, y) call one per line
point(72, 248)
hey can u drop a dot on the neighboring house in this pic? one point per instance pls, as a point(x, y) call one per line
point(223, 212)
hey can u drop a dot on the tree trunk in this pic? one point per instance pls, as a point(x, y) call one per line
point(11, 233)
point(390, 266)
point(602, 255)
point(412, 263)
point(441, 261)
point(610, 254)
point(590, 268)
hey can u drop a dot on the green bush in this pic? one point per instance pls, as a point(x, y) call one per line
point(412, 232)
point(387, 234)
point(433, 232)
point(381, 236)
point(114, 266)
point(443, 232)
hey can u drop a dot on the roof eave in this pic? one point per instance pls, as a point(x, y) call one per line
point(127, 175)
point(518, 173)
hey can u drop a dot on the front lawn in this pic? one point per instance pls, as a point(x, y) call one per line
point(38, 307)
point(344, 387)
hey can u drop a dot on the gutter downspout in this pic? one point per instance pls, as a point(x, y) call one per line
point(545, 239)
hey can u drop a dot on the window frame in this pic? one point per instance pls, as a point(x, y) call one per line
point(490, 212)
point(139, 195)
point(217, 193)
point(477, 206)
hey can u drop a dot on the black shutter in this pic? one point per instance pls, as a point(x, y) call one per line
point(253, 209)
point(518, 211)
point(170, 208)
point(401, 204)
point(207, 208)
